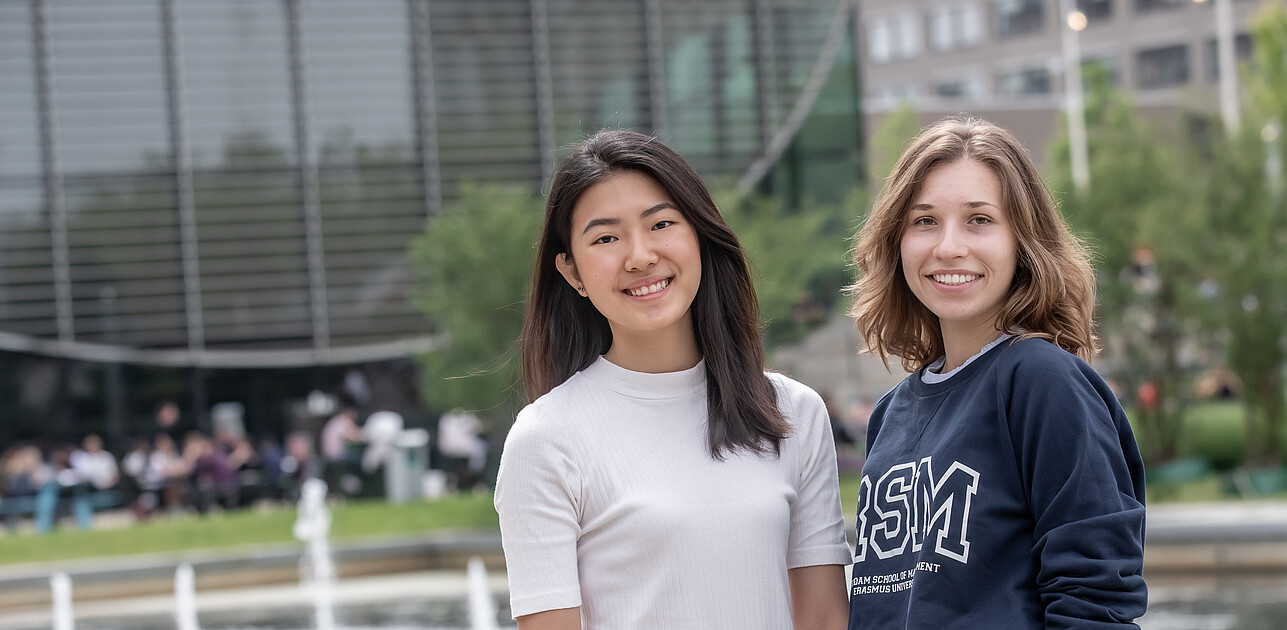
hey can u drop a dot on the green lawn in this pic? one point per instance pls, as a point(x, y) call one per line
point(247, 527)
point(361, 519)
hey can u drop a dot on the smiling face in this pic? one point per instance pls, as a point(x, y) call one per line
point(638, 260)
point(958, 253)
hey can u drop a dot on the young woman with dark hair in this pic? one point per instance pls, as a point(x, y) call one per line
point(1002, 487)
point(660, 478)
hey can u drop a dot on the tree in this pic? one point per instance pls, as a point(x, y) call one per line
point(893, 135)
point(1246, 235)
point(1139, 216)
point(797, 260)
point(472, 266)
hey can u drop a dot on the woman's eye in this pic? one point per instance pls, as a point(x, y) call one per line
point(663, 225)
point(922, 221)
point(604, 239)
point(981, 220)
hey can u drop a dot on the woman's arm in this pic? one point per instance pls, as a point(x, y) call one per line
point(1085, 483)
point(561, 619)
point(818, 600)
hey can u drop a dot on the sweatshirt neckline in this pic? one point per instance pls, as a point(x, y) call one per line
point(962, 375)
point(665, 385)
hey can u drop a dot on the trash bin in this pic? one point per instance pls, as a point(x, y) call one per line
point(406, 465)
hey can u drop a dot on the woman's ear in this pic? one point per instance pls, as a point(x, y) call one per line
point(566, 266)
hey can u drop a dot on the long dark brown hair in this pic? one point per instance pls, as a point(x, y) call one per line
point(563, 333)
point(1052, 295)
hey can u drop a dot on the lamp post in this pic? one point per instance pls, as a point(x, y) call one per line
point(1074, 102)
point(1227, 64)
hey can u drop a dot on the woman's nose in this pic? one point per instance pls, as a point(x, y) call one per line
point(643, 254)
point(950, 244)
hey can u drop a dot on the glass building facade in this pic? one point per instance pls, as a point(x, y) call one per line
point(232, 184)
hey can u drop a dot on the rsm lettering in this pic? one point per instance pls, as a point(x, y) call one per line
point(908, 504)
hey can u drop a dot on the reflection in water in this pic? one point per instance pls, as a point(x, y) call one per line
point(420, 614)
point(1245, 602)
point(1255, 602)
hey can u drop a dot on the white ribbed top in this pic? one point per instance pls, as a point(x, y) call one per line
point(609, 500)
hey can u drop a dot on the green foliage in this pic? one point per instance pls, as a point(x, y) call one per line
point(1246, 239)
point(1191, 242)
point(797, 259)
point(1141, 218)
point(1216, 433)
point(472, 267)
point(892, 136)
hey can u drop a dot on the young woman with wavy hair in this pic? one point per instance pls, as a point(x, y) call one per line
point(660, 478)
point(1002, 486)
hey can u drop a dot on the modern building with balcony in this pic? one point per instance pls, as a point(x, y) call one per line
point(1004, 59)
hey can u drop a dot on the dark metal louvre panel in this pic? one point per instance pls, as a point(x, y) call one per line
point(360, 87)
point(609, 87)
point(712, 83)
point(237, 102)
point(112, 147)
point(485, 84)
point(258, 188)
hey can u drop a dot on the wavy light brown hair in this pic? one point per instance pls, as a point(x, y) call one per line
point(1052, 295)
point(563, 333)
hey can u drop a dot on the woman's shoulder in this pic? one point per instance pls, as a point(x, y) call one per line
point(1035, 363)
point(792, 388)
point(796, 400)
point(1037, 357)
point(548, 414)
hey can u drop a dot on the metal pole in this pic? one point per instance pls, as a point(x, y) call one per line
point(1228, 66)
point(425, 100)
point(52, 174)
point(544, 88)
point(1074, 104)
point(308, 182)
point(764, 54)
point(855, 28)
point(183, 186)
point(656, 44)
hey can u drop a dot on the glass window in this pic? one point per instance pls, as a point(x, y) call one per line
point(1153, 5)
point(880, 47)
point(956, 25)
point(894, 37)
point(965, 88)
point(1104, 69)
point(908, 42)
point(1024, 82)
point(1242, 49)
point(1018, 17)
point(108, 86)
point(1096, 9)
point(1162, 67)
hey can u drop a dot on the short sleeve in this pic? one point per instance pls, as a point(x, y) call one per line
point(1084, 479)
point(537, 498)
point(817, 534)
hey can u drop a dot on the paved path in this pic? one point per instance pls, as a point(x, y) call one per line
point(1228, 522)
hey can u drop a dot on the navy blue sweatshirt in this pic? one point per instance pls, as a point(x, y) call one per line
point(1009, 496)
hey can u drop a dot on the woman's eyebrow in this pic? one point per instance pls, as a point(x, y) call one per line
point(614, 221)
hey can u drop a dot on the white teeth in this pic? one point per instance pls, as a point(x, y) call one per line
point(652, 288)
point(954, 278)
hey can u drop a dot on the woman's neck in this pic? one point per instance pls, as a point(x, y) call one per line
point(961, 344)
point(655, 353)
